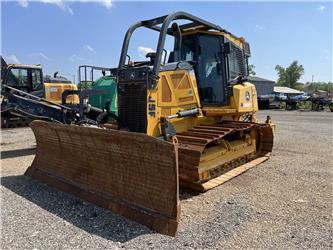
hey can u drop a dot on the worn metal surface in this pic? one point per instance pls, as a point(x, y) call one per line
point(129, 173)
point(194, 143)
point(203, 135)
point(137, 175)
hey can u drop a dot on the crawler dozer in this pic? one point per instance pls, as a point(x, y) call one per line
point(187, 121)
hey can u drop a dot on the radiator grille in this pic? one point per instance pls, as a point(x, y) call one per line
point(132, 98)
point(236, 62)
point(247, 51)
point(239, 59)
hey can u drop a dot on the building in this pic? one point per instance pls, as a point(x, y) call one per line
point(287, 91)
point(263, 86)
point(321, 93)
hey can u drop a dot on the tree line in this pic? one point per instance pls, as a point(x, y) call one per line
point(290, 76)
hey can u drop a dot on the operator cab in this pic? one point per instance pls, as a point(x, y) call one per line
point(200, 48)
point(216, 63)
point(216, 56)
point(24, 77)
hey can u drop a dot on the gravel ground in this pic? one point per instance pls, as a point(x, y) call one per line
point(285, 202)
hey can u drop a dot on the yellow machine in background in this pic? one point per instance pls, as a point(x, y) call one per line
point(30, 79)
point(187, 121)
point(55, 86)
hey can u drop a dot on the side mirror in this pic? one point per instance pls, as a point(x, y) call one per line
point(151, 55)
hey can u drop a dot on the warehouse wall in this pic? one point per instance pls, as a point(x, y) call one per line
point(264, 88)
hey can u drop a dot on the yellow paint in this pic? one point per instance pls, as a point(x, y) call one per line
point(177, 91)
point(239, 41)
point(181, 84)
point(244, 98)
point(53, 92)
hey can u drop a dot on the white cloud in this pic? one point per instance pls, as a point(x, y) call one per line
point(74, 58)
point(88, 48)
point(12, 59)
point(143, 51)
point(327, 54)
point(69, 10)
point(321, 8)
point(40, 55)
point(23, 3)
point(259, 27)
point(65, 4)
point(326, 51)
point(106, 3)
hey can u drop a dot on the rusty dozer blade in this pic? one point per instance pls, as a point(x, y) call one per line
point(131, 174)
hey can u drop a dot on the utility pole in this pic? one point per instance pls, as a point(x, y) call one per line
point(74, 79)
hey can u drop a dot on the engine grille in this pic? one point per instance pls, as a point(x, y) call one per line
point(247, 50)
point(132, 105)
point(239, 59)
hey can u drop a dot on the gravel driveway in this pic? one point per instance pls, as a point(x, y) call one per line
point(285, 202)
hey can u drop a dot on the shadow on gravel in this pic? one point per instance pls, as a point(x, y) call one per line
point(17, 153)
point(86, 216)
point(185, 194)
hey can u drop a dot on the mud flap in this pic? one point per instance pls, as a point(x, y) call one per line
point(131, 174)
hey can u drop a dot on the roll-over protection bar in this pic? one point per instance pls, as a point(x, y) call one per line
point(164, 30)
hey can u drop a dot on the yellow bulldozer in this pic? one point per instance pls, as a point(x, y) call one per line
point(186, 119)
point(30, 79)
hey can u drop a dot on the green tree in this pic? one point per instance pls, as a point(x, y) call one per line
point(315, 86)
point(251, 70)
point(85, 85)
point(289, 76)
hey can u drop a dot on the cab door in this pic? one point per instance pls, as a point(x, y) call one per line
point(205, 51)
point(211, 71)
point(37, 85)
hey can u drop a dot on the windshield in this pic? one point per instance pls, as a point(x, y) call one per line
point(205, 50)
point(18, 78)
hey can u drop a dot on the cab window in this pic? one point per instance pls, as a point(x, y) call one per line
point(206, 51)
point(36, 79)
point(18, 78)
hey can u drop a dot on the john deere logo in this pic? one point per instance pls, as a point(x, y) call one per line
point(132, 75)
point(247, 95)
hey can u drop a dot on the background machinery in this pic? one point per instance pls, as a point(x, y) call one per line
point(187, 121)
point(312, 101)
point(27, 96)
point(318, 103)
point(29, 79)
point(100, 79)
point(271, 101)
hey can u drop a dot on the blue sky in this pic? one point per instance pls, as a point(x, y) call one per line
point(62, 35)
